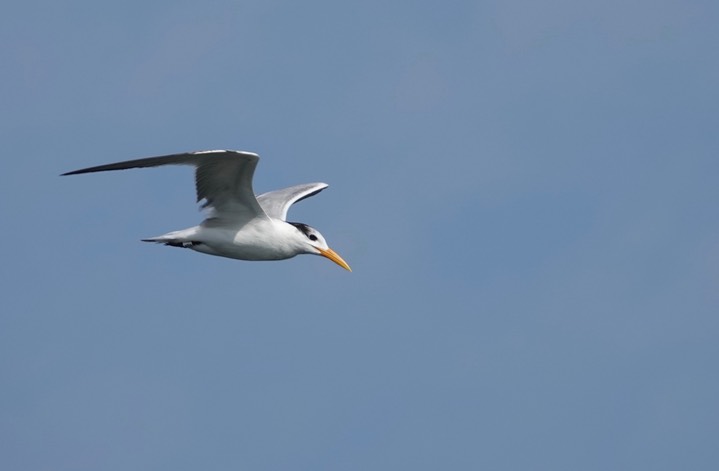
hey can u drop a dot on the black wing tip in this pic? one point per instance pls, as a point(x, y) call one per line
point(312, 193)
point(157, 161)
point(83, 170)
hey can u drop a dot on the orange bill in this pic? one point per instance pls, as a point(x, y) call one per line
point(332, 255)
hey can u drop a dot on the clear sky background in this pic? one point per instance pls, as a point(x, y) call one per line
point(526, 191)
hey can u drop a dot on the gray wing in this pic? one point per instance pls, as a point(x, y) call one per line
point(223, 178)
point(277, 203)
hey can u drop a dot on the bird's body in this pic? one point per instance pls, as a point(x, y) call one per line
point(259, 239)
point(240, 225)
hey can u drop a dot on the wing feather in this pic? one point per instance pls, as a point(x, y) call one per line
point(223, 178)
point(277, 203)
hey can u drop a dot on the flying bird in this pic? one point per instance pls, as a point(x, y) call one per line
point(239, 225)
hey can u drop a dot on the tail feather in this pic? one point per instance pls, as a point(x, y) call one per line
point(175, 239)
point(185, 244)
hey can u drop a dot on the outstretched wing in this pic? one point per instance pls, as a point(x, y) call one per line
point(223, 179)
point(277, 203)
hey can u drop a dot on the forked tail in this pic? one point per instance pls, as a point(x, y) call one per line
point(176, 239)
point(185, 244)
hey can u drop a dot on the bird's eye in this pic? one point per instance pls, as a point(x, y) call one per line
point(312, 237)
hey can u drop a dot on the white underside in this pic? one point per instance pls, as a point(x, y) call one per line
point(259, 239)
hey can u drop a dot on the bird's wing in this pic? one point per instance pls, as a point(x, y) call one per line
point(277, 203)
point(223, 179)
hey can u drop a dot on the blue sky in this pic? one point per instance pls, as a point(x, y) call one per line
point(526, 192)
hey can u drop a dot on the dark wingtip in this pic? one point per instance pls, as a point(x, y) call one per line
point(309, 194)
point(74, 172)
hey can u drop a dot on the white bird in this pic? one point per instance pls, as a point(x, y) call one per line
point(239, 225)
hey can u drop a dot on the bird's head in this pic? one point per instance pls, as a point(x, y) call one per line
point(314, 243)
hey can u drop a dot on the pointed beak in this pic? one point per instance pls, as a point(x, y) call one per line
point(332, 255)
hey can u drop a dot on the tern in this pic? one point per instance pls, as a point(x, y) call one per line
point(239, 225)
